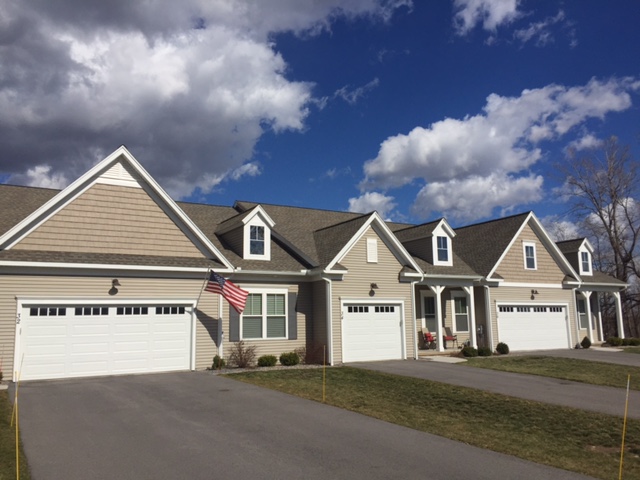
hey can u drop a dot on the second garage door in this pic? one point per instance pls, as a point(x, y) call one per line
point(65, 341)
point(371, 332)
point(533, 327)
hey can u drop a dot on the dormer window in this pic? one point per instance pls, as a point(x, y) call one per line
point(586, 262)
point(443, 249)
point(529, 256)
point(256, 240)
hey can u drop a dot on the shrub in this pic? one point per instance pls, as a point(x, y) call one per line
point(634, 342)
point(267, 361)
point(218, 363)
point(484, 352)
point(469, 351)
point(585, 343)
point(241, 355)
point(289, 359)
point(625, 342)
point(502, 348)
point(614, 341)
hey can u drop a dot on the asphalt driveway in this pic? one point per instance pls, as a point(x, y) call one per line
point(531, 387)
point(203, 426)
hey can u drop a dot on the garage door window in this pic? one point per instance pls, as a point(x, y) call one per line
point(265, 316)
point(461, 314)
point(47, 311)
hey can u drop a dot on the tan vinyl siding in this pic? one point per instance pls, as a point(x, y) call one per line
point(234, 239)
point(111, 219)
point(511, 269)
point(97, 288)
point(356, 285)
point(545, 296)
point(275, 346)
point(481, 317)
point(318, 333)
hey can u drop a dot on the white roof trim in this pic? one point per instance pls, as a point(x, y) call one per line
point(386, 232)
point(546, 240)
point(446, 227)
point(60, 200)
point(106, 266)
point(257, 211)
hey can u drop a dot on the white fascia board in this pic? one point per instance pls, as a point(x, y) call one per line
point(94, 266)
point(444, 225)
point(374, 217)
point(259, 211)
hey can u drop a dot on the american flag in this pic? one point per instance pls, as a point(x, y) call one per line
point(236, 296)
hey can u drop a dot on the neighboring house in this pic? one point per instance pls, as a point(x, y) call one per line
point(106, 276)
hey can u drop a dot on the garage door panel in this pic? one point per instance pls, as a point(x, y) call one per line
point(533, 327)
point(83, 341)
point(371, 335)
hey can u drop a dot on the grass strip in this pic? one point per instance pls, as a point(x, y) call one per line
point(562, 437)
point(585, 371)
point(8, 443)
point(631, 350)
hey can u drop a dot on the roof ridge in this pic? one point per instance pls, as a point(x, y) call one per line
point(333, 225)
point(494, 220)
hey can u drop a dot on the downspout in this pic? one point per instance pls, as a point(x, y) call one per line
point(329, 306)
point(488, 320)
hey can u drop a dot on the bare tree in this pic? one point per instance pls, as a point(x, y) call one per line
point(604, 193)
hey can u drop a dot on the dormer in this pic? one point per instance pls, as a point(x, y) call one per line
point(442, 244)
point(249, 234)
point(579, 253)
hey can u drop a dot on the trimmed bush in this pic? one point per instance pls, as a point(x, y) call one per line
point(267, 361)
point(585, 343)
point(469, 351)
point(484, 352)
point(241, 355)
point(289, 359)
point(502, 348)
point(625, 342)
point(218, 363)
point(634, 342)
point(614, 341)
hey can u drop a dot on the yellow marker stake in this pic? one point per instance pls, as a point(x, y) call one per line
point(624, 426)
point(324, 371)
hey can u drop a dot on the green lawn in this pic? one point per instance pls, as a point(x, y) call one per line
point(595, 373)
point(631, 350)
point(8, 444)
point(567, 438)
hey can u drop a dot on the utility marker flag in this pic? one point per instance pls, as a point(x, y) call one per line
point(233, 294)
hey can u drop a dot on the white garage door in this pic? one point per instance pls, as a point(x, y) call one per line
point(63, 341)
point(529, 327)
point(371, 332)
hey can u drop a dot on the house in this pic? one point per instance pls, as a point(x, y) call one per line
point(106, 276)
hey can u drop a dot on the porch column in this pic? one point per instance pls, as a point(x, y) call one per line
point(587, 305)
point(437, 289)
point(472, 315)
point(619, 314)
point(599, 324)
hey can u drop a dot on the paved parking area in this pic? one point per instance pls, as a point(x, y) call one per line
point(531, 387)
point(202, 426)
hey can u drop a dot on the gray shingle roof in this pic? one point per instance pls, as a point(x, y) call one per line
point(330, 240)
point(481, 245)
point(17, 203)
point(570, 246)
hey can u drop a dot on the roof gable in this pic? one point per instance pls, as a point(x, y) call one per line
point(113, 174)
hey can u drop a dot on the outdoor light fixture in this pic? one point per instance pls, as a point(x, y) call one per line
point(533, 294)
point(114, 283)
point(374, 287)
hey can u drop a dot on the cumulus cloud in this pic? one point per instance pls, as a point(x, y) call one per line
point(560, 229)
point(586, 142)
point(371, 201)
point(490, 151)
point(188, 86)
point(488, 13)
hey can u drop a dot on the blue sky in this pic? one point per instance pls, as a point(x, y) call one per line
point(416, 109)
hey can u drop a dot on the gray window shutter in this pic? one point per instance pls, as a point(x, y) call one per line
point(234, 325)
point(293, 316)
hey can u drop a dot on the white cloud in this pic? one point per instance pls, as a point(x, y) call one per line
point(503, 140)
point(40, 176)
point(586, 142)
point(476, 196)
point(189, 87)
point(490, 13)
point(539, 31)
point(352, 96)
point(560, 229)
point(371, 201)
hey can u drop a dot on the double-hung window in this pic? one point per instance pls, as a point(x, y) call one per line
point(530, 256)
point(582, 312)
point(586, 262)
point(265, 316)
point(443, 249)
point(461, 313)
point(256, 240)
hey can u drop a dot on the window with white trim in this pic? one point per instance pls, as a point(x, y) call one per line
point(460, 313)
point(585, 262)
point(264, 316)
point(530, 262)
point(256, 240)
point(582, 313)
point(430, 319)
point(443, 249)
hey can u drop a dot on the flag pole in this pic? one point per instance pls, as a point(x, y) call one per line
point(204, 282)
